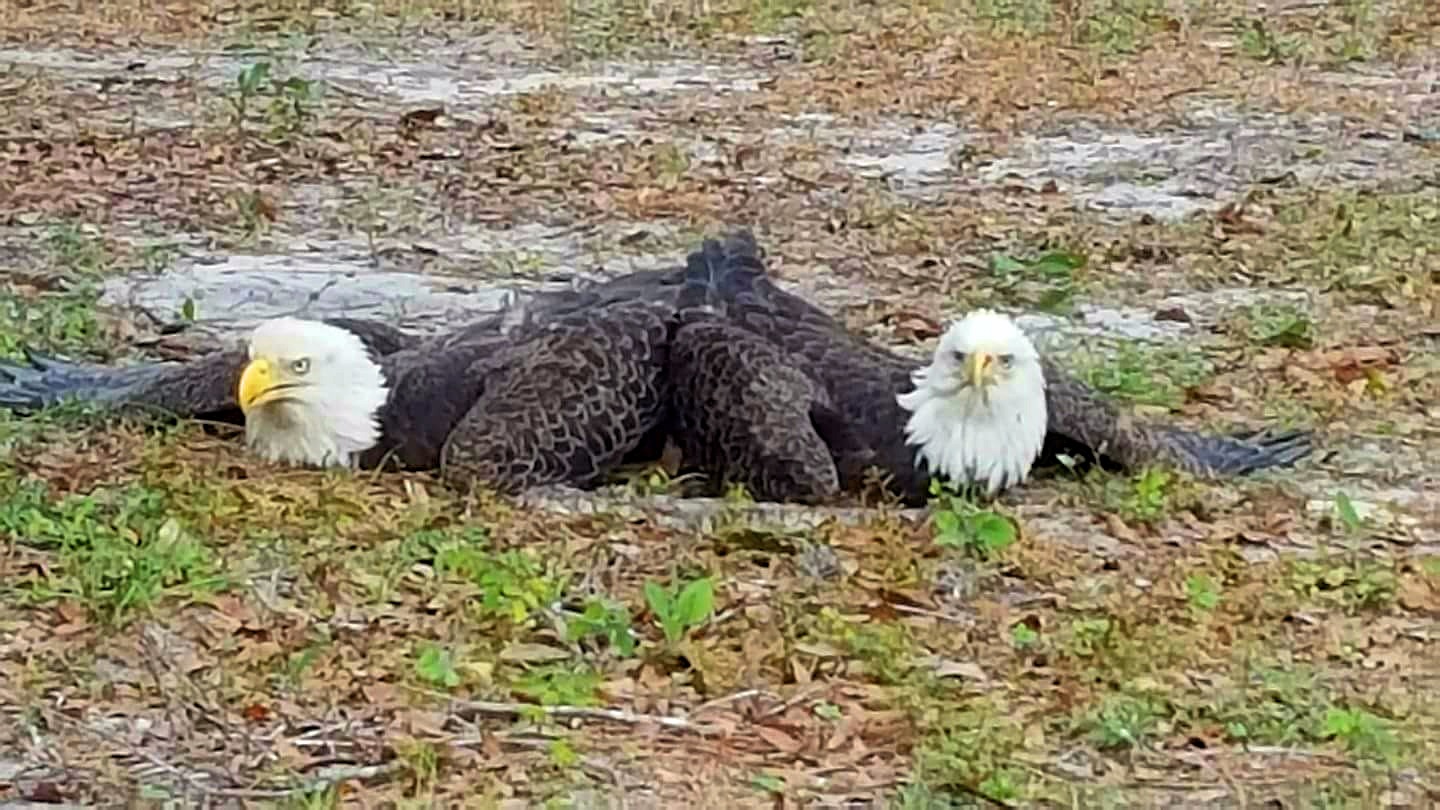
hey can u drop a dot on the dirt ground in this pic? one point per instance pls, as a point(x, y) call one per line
point(1225, 212)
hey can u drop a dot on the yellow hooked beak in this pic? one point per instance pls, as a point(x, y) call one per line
point(979, 369)
point(257, 384)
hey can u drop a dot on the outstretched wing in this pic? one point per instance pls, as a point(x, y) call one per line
point(1081, 415)
point(564, 404)
point(203, 388)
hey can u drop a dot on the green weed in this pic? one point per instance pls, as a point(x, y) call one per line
point(1120, 26)
point(560, 685)
point(1285, 703)
point(1145, 375)
point(679, 609)
point(1283, 325)
point(287, 102)
point(61, 319)
point(436, 665)
point(562, 753)
point(422, 761)
point(76, 251)
point(1279, 703)
point(1023, 636)
point(1123, 720)
point(1360, 39)
point(30, 430)
point(1016, 16)
point(1202, 593)
point(607, 621)
point(1384, 247)
point(1144, 497)
point(327, 798)
point(959, 523)
point(295, 665)
point(885, 649)
point(1087, 637)
point(454, 551)
point(768, 783)
point(1259, 42)
point(118, 551)
point(1046, 282)
point(515, 586)
point(1362, 733)
point(251, 212)
point(1347, 515)
point(1350, 584)
point(966, 748)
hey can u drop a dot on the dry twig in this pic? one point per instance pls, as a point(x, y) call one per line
point(579, 712)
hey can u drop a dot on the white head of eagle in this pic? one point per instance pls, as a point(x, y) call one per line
point(310, 393)
point(977, 413)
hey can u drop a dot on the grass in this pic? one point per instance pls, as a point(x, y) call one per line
point(1283, 325)
point(116, 552)
point(476, 600)
point(1145, 375)
point(61, 318)
point(1075, 643)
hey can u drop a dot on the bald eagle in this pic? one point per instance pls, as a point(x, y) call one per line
point(977, 412)
point(775, 376)
point(311, 394)
point(754, 384)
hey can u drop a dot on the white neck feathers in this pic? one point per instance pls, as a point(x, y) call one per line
point(987, 437)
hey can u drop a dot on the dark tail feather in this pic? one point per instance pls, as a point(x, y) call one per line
point(46, 380)
point(1243, 453)
point(720, 270)
point(197, 387)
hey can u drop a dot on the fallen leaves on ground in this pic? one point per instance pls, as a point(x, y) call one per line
point(1188, 650)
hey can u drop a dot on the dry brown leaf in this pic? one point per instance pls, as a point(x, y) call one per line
point(527, 652)
point(968, 670)
point(780, 740)
point(1119, 529)
point(1415, 593)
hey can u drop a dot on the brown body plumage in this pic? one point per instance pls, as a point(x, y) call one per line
point(567, 404)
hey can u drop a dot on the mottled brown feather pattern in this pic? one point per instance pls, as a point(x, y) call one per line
point(431, 386)
point(860, 379)
point(566, 403)
point(742, 412)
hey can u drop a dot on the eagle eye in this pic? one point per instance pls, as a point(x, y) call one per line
point(300, 366)
point(1007, 360)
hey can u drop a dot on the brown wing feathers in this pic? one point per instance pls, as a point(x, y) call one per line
point(859, 418)
point(741, 411)
point(566, 405)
